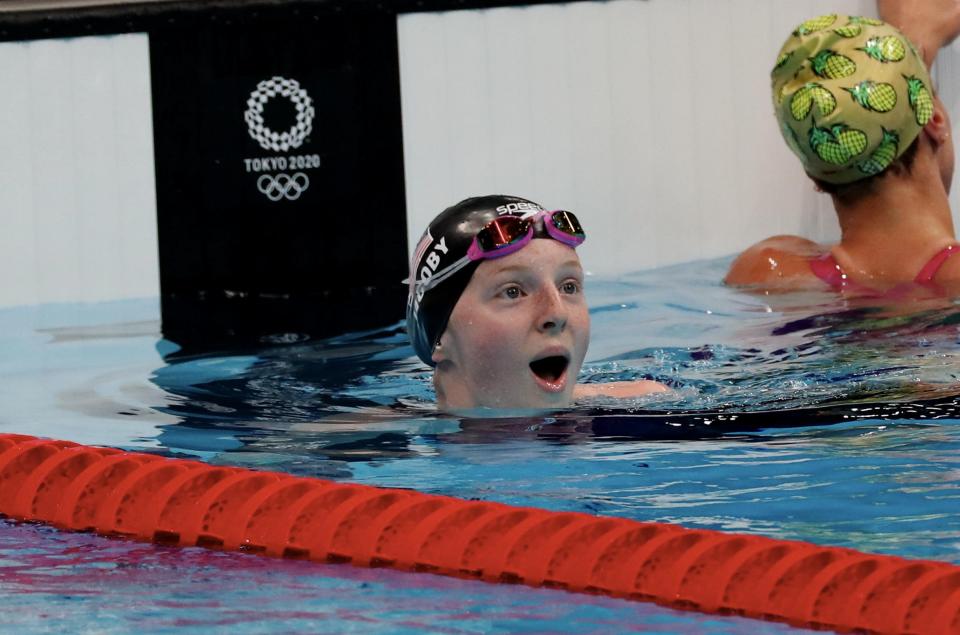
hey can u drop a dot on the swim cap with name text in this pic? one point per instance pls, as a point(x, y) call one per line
point(445, 241)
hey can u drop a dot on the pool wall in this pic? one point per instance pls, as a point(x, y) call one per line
point(649, 117)
point(77, 195)
point(652, 119)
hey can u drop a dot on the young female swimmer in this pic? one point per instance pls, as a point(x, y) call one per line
point(496, 306)
point(855, 103)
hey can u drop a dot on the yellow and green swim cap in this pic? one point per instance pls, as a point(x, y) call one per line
point(851, 94)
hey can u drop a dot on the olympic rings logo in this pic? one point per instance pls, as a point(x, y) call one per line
point(283, 186)
point(267, 138)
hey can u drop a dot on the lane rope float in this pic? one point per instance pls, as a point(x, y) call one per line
point(189, 503)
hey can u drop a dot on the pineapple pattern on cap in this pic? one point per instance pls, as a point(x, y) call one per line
point(851, 94)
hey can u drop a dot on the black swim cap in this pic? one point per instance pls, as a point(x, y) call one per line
point(445, 242)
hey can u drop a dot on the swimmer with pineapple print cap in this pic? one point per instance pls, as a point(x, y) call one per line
point(855, 103)
point(496, 305)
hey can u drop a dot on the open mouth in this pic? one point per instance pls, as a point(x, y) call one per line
point(550, 369)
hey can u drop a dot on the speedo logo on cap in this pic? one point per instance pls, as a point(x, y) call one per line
point(513, 208)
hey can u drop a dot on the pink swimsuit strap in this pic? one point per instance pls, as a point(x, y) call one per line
point(828, 269)
point(930, 269)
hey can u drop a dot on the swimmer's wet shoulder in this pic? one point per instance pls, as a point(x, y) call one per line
point(775, 261)
point(619, 389)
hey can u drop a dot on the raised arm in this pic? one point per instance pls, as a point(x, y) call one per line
point(930, 24)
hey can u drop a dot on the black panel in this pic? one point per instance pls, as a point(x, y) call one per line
point(146, 17)
point(301, 234)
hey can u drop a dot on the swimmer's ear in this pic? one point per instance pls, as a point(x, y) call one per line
point(938, 128)
point(439, 355)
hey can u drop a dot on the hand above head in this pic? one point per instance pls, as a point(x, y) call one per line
point(930, 24)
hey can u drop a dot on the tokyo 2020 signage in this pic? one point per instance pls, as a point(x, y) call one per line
point(275, 130)
point(281, 177)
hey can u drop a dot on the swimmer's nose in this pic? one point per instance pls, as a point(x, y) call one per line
point(553, 319)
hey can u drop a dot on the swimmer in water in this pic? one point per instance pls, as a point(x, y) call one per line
point(496, 305)
point(855, 103)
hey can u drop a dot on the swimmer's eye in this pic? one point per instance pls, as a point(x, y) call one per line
point(570, 287)
point(512, 292)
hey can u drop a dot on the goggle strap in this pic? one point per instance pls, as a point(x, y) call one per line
point(443, 274)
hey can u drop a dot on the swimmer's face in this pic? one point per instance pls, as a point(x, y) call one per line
point(518, 335)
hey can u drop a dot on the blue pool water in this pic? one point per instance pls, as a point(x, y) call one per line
point(815, 418)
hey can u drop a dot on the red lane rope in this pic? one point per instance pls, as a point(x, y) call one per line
point(145, 497)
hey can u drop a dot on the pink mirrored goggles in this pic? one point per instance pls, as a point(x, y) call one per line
point(510, 233)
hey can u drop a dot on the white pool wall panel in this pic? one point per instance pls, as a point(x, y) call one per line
point(651, 118)
point(77, 195)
